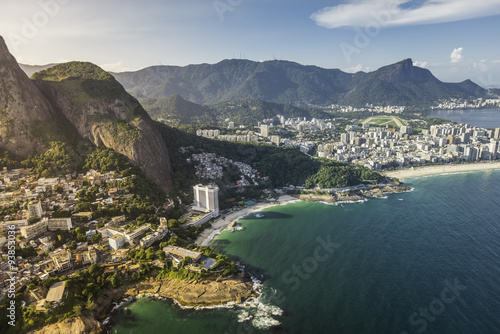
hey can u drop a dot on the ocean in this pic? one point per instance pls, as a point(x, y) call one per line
point(484, 118)
point(426, 261)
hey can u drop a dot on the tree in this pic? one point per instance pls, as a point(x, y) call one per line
point(160, 254)
point(95, 238)
point(77, 309)
point(94, 269)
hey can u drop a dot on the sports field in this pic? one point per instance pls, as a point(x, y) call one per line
point(391, 121)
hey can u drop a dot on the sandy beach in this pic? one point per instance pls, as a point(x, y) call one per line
point(442, 169)
point(220, 223)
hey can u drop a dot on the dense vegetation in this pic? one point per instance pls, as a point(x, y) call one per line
point(74, 70)
point(9, 160)
point(59, 159)
point(174, 110)
point(336, 174)
point(82, 81)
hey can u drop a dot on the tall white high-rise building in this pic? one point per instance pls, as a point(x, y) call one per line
point(206, 198)
point(493, 148)
point(264, 130)
point(497, 133)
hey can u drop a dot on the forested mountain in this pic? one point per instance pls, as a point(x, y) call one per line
point(175, 110)
point(401, 83)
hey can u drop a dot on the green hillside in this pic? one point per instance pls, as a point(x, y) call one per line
point(174, 110)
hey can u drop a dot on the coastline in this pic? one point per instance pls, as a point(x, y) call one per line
point(357, 196)
point(442, 169)
point(221, 223)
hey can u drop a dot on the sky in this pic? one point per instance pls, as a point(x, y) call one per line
point(455, 39)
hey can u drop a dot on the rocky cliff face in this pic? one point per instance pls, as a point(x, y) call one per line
point(403, 72)
point(26, 117)
point(77, 100)
point(102, 112)
point(88, 325)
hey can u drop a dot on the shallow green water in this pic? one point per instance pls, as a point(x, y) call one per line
point(425, 261)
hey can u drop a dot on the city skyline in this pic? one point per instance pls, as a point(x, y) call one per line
point(452, 38)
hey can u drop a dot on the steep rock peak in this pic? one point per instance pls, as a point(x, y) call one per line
point(4, 51)
point(406, 63)
point(404, 71)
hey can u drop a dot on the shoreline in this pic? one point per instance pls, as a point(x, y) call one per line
point(221, 223)
point(442, 169)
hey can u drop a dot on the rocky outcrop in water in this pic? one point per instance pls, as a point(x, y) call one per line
point(356, 194)
point(188, 293)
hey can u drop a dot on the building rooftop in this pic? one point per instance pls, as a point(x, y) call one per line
point(56, 291)
point(117, 236)
point(182, 252)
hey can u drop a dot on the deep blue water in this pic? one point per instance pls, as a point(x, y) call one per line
point(484, 118)
point(426, 261)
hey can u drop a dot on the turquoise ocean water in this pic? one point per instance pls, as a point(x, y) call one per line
point(427, 261)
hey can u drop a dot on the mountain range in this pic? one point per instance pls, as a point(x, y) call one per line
point(280, 81)
point(175, 110)
point(77, 102)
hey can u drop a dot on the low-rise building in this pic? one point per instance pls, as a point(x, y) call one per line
point(6, 226)
point(62, 260)
point(181, 253)
point(33, 231)
point(56, 292)
point(138, 232)
point(55, 224)
point(159, 234)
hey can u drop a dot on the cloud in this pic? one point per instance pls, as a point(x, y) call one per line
point(456, 55)
point(357, 68)
point(420, 63)
point(360, 13)
point(114, 67)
